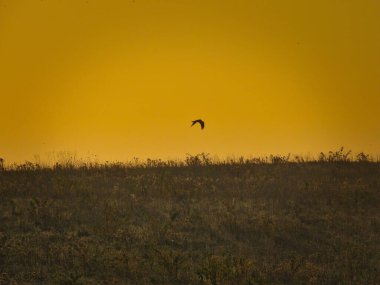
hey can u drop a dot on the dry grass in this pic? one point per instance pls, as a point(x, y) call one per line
point(196, 222)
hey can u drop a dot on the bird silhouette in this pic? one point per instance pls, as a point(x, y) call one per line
point(200, 122)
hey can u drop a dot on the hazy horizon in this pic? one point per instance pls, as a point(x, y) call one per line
point(72, 157)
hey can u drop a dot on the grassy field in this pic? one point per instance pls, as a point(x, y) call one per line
point(241, 222)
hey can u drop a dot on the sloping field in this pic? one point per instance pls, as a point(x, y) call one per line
point(286, 223)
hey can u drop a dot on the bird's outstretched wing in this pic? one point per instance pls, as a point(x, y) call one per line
point(200, 122)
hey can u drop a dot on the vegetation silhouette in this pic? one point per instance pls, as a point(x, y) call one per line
point(269, 220)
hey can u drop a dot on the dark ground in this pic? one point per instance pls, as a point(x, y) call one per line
point(282, 223)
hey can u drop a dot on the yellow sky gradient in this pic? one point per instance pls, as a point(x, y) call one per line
point(123, 79)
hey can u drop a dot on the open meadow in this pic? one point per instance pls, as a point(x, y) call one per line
point(196, 222)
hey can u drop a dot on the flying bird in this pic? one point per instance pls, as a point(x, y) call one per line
point(200, 122)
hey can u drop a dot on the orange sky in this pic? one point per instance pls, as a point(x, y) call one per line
point(123, 79)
